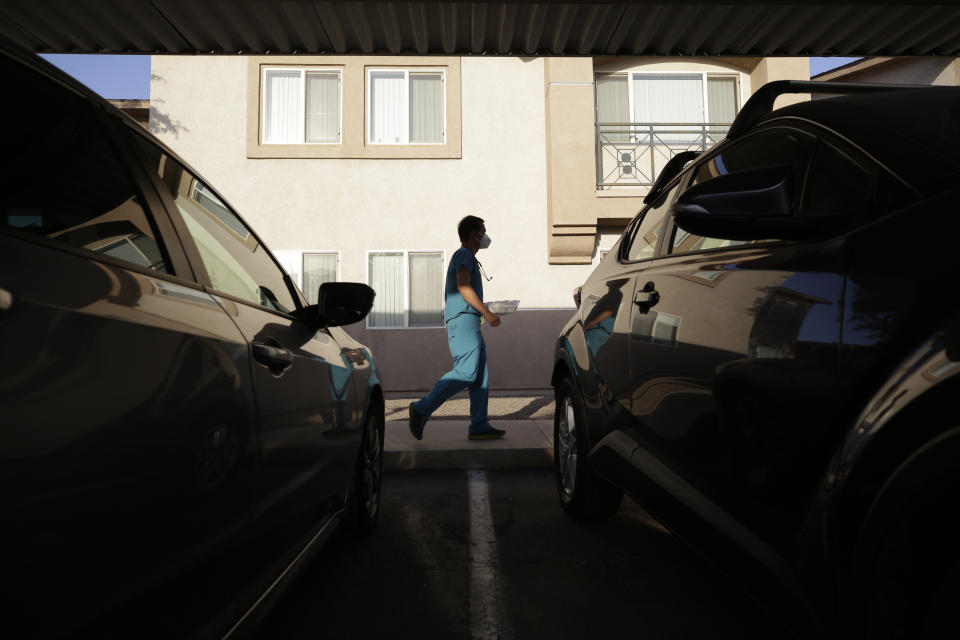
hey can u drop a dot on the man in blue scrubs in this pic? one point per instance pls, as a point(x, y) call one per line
point(462, 312)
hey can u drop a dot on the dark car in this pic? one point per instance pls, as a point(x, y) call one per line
point(767, 360)
point(179, 429)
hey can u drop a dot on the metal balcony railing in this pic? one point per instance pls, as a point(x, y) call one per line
point(633, 153)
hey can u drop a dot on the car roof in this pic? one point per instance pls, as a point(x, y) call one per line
point(914, 132)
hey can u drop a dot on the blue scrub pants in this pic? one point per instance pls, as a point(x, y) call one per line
point(469, 370)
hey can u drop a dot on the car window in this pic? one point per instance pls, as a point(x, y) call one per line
point(768, 148)
point(778, 147)
point(236, 262)
point(66, 181)
point(685, 241)
point(643, 240)
point(837, 183)
point(842, 180)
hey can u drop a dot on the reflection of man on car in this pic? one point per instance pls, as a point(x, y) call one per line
point(340, 380)
point(601, 319)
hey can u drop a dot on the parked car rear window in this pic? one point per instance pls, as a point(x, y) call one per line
point(236, 262)
point(67, 182)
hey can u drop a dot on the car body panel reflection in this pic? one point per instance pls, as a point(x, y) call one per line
point(712, 392)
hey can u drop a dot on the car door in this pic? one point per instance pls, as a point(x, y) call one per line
point(734, 355)
point(125, 417)
point(307, 407)
point(605, 303)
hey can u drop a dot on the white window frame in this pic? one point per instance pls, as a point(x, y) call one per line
point(406, 286)
point(304, 252)
point(704, 108)
point(303, 107)
point(368, 107)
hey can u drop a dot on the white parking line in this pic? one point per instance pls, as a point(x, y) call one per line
point(484, 588)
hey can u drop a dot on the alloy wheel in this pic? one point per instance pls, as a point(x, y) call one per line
point(372, 467)
point(567, 452)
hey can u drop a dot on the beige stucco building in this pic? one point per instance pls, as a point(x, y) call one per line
point(358, 168)
point(926, 70)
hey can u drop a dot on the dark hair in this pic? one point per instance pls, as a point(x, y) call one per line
point(467, 225)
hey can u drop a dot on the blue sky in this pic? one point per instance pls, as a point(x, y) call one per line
point(123, 76)
point(112, 76)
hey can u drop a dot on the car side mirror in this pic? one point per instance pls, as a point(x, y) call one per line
point(750, 205)
point(747, 205)
point(342, 303)
point(339, 303)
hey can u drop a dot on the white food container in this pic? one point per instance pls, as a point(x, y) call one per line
point(501, 307)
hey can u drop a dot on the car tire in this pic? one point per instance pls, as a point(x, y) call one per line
point(363, 497)
point(583, 494)
point(907, 564)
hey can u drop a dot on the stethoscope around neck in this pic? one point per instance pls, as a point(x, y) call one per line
point(482, 272)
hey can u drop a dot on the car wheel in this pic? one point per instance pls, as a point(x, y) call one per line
point(363, 499)
point(909, 585)
point(583, 494)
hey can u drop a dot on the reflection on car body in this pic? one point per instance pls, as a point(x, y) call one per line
point(179, 429)
point(772, 382)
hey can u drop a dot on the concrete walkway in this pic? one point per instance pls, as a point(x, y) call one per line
point(526, 416)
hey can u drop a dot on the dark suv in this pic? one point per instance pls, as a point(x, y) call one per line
point(767, 359)
point(179, 429)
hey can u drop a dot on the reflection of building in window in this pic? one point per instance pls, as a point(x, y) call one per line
point(206, 199)
point(135, 248)
point(656, 327)
point(685, 241)
point(942, 368)
point(122, 234)
point(409, 287)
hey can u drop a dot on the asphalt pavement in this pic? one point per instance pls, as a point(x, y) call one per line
point(490, 554)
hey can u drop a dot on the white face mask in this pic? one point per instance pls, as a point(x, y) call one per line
point(484, 241)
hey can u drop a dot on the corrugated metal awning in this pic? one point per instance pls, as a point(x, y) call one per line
point(504, 28)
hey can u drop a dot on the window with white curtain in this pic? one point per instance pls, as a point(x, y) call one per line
point(406, 106)
point(671, 100)
point(426, 289)
point(301, 106)
point(409, 287)
point(318, 267)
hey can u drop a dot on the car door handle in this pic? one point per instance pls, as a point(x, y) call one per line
point(272, 356)
point(646, 298)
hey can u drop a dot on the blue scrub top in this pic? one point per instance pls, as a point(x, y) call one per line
point(455, 304)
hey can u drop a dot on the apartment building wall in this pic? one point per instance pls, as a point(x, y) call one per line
point(927, 70)
point(199, 106)
point(520, 153)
